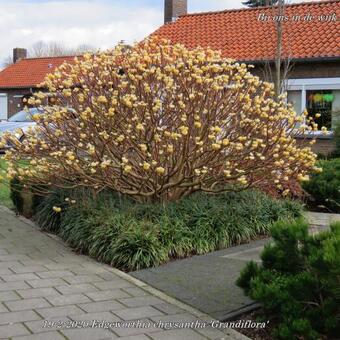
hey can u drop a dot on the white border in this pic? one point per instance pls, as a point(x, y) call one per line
point(313, 84)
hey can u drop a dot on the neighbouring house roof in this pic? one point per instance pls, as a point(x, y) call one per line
point(30, 72)
point(240, 35)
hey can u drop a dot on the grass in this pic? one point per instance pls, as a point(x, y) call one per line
point(4, 188)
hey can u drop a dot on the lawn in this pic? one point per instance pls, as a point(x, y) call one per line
point(4, 189)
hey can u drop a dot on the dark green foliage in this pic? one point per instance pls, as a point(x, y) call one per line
point(324, 187)
point(258, 3)
point(131, 235)
point(24, 200)
point(37, 198)
point(16, 188)
point(76, 227)
point(298, 282)
point(104, 236)
point(137, 248)
point(46, 217)
point(336, 152)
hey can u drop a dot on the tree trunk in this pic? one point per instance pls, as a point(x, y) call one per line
point(278, 59)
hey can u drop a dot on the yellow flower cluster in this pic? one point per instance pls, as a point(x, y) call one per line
point(159, 121)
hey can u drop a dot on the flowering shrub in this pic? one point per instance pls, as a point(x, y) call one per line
point(159, 122)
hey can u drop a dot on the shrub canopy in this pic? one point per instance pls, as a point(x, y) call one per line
point(298, 282)
point(324, 187)
point(158, 122)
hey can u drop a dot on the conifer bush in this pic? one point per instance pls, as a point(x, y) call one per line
point(298, 283)
point(159, 122)
point(324, 187)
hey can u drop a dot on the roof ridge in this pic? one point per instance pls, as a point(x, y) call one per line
point(244, 9)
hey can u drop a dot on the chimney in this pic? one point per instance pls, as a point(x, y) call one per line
point(173, 9)
point(19, 53)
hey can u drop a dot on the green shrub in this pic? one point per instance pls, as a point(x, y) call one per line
point(23, 199)
point(176, 237)
point(298, 282)
point(25, 202)
point(136, 248)
point(132, 235)
point(105, 234)
point(76, 226)
point(16, 188)
point(324, 187)
point(45, 216)
point(336, 152)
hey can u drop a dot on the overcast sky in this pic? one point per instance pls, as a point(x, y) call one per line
point(100, 23)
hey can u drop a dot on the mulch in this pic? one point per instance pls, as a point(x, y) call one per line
point(256, 333)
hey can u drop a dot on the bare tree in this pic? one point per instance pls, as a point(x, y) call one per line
point(259, 3)
point(55, 49)
point(83, 48)
point(7, 61)
point(51, 49)
point(278, 57)
point(37, 49)
point(277, 71)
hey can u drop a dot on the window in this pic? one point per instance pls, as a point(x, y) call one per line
point(319, 107)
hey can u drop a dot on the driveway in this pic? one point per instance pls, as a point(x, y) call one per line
point(207, 282)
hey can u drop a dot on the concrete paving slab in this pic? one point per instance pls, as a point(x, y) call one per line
point(206, 282)
point(49, 288)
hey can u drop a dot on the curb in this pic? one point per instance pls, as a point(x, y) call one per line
point(233, 315)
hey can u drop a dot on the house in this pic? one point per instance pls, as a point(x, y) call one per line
point(310, 46)
point(19, 80)
point(310, 50)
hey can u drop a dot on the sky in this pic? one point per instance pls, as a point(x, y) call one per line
point(99, 23)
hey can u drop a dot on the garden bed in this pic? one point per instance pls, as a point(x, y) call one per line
point(256, 333)
point(132, 236)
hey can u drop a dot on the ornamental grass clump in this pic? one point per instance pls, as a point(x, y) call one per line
point(131, 235)
point(158, 122)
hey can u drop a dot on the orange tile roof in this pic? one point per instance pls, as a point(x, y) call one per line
point(240, 35)
point(30, 72)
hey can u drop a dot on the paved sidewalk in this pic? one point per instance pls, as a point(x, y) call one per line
point(320, 221)
point(42, 281)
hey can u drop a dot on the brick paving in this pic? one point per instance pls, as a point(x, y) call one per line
point(43, 283)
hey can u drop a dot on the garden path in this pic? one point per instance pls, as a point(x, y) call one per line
point(43, 283)
point(207, 282)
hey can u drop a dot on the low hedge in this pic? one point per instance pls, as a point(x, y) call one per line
point(298, 283)
point(324, 187)
point(132, 236)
